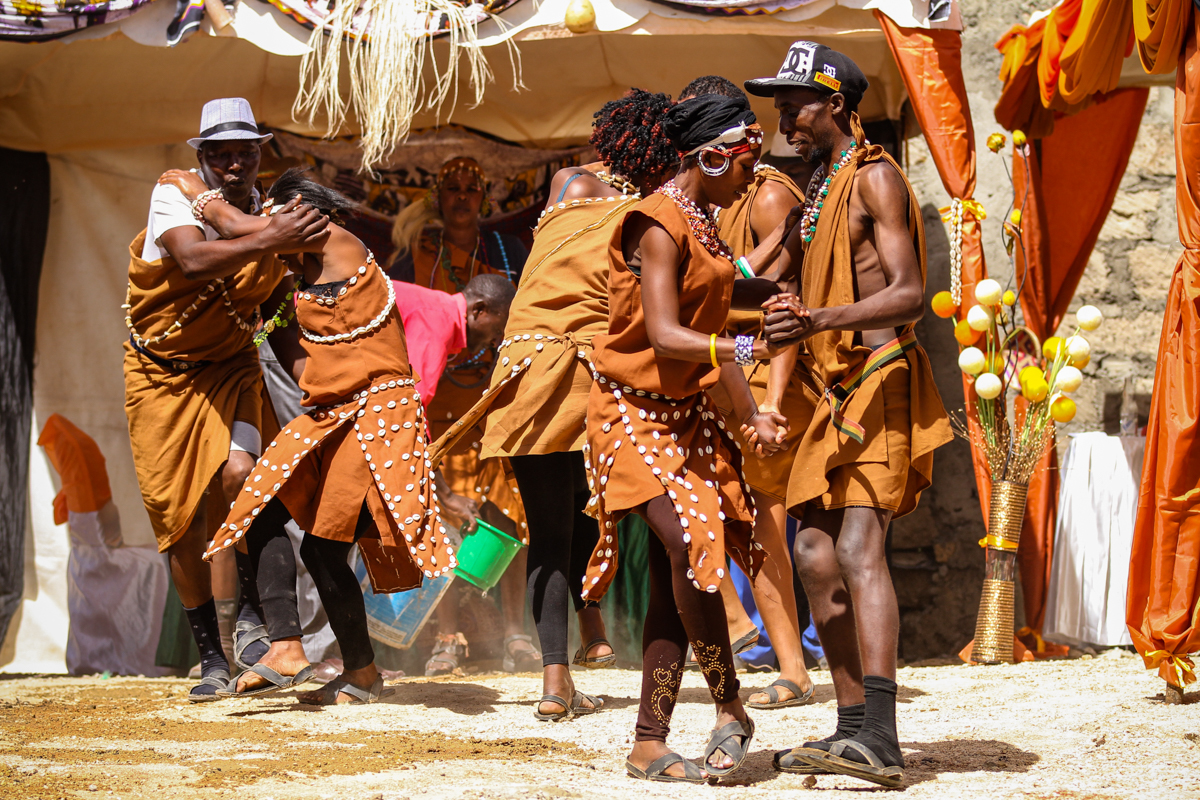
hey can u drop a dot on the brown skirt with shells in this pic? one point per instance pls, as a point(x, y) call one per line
point(641, 445)
point(326, 463)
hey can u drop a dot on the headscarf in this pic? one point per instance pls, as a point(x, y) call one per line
point(706, 120)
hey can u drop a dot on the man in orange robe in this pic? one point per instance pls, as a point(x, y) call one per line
point(867, 452)
point(194, 393)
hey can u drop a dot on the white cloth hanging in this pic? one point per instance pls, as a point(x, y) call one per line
point(1097, 506)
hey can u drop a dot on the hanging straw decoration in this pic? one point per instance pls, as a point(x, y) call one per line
point(388, 46)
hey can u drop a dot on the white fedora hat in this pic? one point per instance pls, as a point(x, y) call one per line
point(226, 119)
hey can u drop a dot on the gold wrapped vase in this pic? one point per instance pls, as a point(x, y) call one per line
point(994, 626)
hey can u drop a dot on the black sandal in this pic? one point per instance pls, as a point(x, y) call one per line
point(276, 682)
point(657, 770)
point(244, 635)
point(799, 698)
point(218, 680)
point(874, 770)
point(359, 695)
point(725, 739)
point(793, 761)
point(598, 662)
point(575, 708)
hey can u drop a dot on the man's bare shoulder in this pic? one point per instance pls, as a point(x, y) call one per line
point(881, 188)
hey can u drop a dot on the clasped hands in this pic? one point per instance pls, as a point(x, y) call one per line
point(787, 321)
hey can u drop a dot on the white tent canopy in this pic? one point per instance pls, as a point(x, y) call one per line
point(112, 106)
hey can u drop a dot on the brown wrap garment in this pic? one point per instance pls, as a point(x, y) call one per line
point(180, 422)
point(363, 439)
point(768, 475)
point(898, 405)
point(463, 467)
point(537, 402)
point(652, 428)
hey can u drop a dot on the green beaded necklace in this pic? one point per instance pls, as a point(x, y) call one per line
point(818, 190)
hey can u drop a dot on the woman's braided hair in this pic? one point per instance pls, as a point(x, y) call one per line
point(629, 137)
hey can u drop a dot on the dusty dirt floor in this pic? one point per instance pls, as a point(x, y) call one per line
point(1094, 727)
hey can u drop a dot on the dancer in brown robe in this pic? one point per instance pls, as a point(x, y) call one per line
point(656, 444)
point(868, 450)
point(537, 404)
point(194, 394)
point(353, 470)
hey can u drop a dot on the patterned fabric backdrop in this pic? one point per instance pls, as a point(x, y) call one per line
point(518, 177)
point(40, 20)
point(311, 13)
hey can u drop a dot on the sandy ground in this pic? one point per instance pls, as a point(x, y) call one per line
point(1095, 727)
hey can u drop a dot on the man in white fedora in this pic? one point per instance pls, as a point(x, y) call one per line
point(194, 391)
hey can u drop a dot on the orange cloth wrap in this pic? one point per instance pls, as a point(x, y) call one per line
point(180, 422)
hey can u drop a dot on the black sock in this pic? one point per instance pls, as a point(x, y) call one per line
point(205, 631)
point(850, 720)
point(251, 608)
point(879, 724)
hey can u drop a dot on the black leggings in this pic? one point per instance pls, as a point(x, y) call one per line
point(274, 565)
point(678, 612)
point(561, 537)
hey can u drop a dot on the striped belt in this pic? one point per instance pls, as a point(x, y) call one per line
point(839, 393)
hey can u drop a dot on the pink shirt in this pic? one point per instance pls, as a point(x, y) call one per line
point(435, 326)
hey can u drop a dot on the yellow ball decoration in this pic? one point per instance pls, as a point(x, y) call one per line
point(1062, 409)
point(943, 305)
point(964, 334)
point(995, 142)
point(1068, 379)
point(1015, 216)
point(1019, 138)
point(1010, 298)
point(1035, 390)
point(980, 318)
point(580, 16)
point(1051, 347)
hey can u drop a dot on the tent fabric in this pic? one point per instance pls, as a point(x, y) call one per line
point(42, 20)
point(24, 212)
point(931, 64)
point(1163, 609)
point(1072, 179)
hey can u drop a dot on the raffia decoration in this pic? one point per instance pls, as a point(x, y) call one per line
point(388, 46)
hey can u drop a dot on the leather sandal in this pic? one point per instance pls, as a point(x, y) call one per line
point(726, 739)
point(359, 695)
point(657, 770)
point(446, 652)
point(219, 680)
point(596, 662)
point(523, 660)
point(873, 769)
point(575, 708)
point(798, 698)
point(276, 682)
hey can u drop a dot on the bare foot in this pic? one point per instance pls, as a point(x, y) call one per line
point(285, 656)
point(646, 753)
point(359, 678)
point(556, 680)
point(727, 713)
point(785, 693)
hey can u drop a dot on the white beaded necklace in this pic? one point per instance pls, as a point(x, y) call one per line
point(248, 327)
point(818, 190)
point(365, 329)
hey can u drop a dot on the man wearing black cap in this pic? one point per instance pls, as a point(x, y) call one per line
point(867, 453)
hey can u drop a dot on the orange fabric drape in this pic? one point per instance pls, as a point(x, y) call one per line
point(1062, 62)
point(1065, 196)
point(1163, 605)
point(1161, 27)
point(80, 465)
point(930, 62)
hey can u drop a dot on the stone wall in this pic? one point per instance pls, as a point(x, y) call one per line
point(937, 564)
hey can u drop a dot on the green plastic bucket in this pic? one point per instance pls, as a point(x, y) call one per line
point(485, 554)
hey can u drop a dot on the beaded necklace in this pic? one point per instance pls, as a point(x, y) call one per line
point(699, 220)
point(448, 267)
point(379, 319)
point(213, 285)
point(818, 190)
point(622, 185)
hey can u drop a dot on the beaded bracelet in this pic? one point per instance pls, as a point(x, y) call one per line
point(743, 265)
point(743, 350)
point(203, 200)
point(712, 350)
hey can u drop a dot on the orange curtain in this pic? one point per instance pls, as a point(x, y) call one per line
point(930, 62)
point(1161, 27)
point(1062, 62)
point(79, 463)
point(1163, 606)
point(1071, 181)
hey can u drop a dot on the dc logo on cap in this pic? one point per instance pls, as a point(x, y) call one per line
point(799, 61)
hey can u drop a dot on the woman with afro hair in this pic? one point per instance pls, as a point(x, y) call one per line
point(534, 411)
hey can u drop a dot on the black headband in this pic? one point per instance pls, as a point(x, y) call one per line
point(698, 121)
